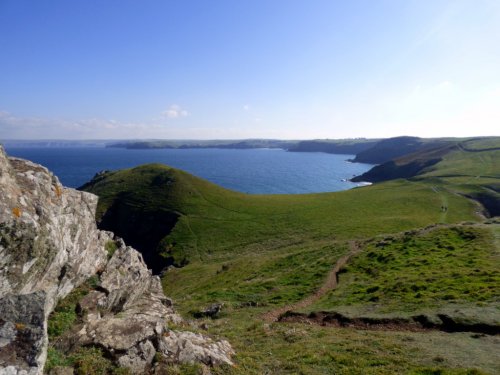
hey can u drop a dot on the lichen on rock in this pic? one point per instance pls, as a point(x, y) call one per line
point(50, 245)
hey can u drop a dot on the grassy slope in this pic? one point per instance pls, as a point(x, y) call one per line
point(472, 159)
point(473, 169)
point(257, 252)
point(440, 268)
point(263, 240)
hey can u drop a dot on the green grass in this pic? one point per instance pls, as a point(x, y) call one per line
point(462, 168)
point(215, 222)
point(84, 361)
point(267, 280)
point(257, 252)
point(110, 248)
point(467, 166)
point(457, 264)
point(64, 315)
point(308, 349)
point(55, 358)
point(279, 248)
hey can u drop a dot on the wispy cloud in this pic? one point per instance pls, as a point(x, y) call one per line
point(19, 127)
point(175, 111)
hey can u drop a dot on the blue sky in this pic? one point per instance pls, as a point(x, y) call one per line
point(88, 69)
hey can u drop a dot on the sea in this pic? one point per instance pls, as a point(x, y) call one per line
point(253, 171)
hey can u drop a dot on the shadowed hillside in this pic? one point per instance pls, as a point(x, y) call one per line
point(140, 208)
point(391, 148)
point(343, 146)
point(406, 166)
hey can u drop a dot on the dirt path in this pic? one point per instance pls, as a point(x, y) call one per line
point(329, 284)
point(417, 323)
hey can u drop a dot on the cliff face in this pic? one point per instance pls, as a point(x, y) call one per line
point(49, 240)
point(49, 244)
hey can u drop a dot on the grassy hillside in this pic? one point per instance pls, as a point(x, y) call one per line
point(217, 223)
point(258, 253)
point(469, 167)
point(472, 169)
point(334, 146)
point(430, 269)
point(407, 166)
point(392, 148)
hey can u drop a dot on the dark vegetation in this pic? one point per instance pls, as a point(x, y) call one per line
point(391, 171)
point(489, 199)
point(132, 211)
point(229, 144)
point(141, 229)
point(66, 314)
point(347, 146)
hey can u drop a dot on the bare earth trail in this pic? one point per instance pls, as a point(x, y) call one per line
point(329, 284)
point(418, 323)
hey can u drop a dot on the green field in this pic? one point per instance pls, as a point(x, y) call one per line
point(432, 269)
point(256, 253)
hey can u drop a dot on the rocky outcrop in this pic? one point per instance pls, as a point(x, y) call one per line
point(189, 347)
point(49, 244)
point(127, 316)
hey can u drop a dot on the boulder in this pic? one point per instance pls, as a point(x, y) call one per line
point(189, 347)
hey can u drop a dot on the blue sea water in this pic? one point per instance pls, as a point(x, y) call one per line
point(255, 171)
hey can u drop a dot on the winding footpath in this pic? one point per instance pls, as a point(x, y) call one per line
point(417, 323)
point(330, 283)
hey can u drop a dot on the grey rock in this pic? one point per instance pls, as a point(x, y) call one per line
point(189, 347)
point(49, 244)
point(13, 370)
point(131, 308)
point(139, 357)
point(8, 334)
point(22, 334)
point(211, 311)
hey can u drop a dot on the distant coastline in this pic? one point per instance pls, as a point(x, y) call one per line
point(381, 152)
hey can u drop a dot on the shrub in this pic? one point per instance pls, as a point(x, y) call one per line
point(110, 247)
point(55, 359)
point(91, 361)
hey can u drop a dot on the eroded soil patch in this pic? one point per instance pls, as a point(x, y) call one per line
point(416, 323)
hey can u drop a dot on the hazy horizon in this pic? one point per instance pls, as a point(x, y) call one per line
point(220, 139)
point(287, 70)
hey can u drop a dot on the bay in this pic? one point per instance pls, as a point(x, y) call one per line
point(254, 171)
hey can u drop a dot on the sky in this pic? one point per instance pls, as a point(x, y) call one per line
point(225, 69)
